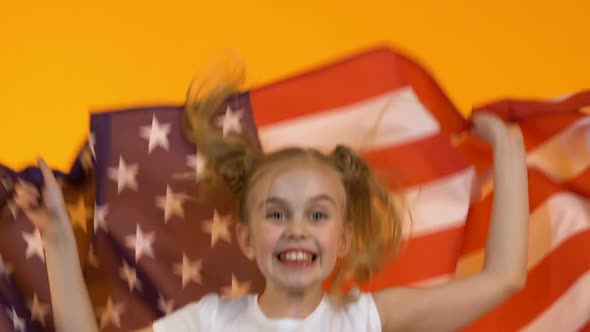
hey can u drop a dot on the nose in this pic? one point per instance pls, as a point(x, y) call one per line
point(297, 230)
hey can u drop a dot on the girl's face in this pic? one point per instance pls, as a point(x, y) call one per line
point(296, 227)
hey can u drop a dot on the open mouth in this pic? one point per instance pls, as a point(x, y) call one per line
point(296, 257)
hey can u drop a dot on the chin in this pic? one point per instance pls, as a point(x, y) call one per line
point(300, 286)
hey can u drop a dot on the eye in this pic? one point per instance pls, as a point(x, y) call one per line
point(275, 215)
point(318, 215)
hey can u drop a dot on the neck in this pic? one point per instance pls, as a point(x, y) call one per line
point(283, 303)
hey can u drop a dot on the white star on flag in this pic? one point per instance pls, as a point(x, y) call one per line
point(166, 306)
point(130, 276)
point(79, 214)
point(197, 162)
point(38, 310)
point(156, 134)
point(34, 245)
point(189, 270)
point(141, 242)
point(236, 289)
point(17, 323)
point(125, 175)
point(5, 268)
point(172, 204)
point(218, 227)
point(111, 313)
point(231, 121)
point(100, 214)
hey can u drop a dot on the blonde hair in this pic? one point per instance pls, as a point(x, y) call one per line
point(369, 205)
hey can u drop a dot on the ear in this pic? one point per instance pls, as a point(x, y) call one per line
point(244, 236)
point(345, 239)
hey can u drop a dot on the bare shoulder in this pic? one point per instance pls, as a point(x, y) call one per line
point(397, 306)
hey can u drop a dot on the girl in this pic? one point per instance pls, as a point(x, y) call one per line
point(305, 216)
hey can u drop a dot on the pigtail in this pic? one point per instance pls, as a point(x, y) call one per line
point(235, 168)
point(375, 218)
point(230, 158)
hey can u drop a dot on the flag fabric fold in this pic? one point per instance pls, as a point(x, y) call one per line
point(149, 243)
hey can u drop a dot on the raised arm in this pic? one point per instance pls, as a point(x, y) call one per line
point(71, 307)
point(458, 303)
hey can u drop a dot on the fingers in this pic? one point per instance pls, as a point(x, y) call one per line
point(26, 195)
point(48, 177)
point(52, 189)
point(25, 187)
point(488, 126)
point(485, 119)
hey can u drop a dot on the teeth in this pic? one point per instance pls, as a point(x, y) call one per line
point(295, 256)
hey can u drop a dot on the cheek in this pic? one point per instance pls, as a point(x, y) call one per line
point(330, 238)
point(266, 239)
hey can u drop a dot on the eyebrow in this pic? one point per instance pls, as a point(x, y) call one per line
point(280, 201)
point(324, 197)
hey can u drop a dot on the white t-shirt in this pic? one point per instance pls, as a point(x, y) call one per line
point(213, 313)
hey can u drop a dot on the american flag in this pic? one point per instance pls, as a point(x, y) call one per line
point(149, 243)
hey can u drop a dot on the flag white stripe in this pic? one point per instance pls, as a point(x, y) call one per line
point(440, 204)
point(565, 155)
point(570, 312)
point(402, 116)
point(568, 214)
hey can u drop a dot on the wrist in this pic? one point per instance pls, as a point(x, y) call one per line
point(60, 233)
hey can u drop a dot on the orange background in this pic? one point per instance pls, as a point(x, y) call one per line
point(63, 59)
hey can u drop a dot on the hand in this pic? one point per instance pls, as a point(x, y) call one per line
point(489, 127)
point(492, 129)
point(48, 212)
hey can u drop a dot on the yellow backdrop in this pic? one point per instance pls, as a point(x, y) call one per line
point(62, 59)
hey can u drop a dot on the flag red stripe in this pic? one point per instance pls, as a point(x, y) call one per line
point(545, 284)
point(516, 110)
point(477, 153)
point(538, 129)
point(580, 184)
point(476, 228)
point(350, 81)
point(586, 328)
point(417, 162)
point(414, 262)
